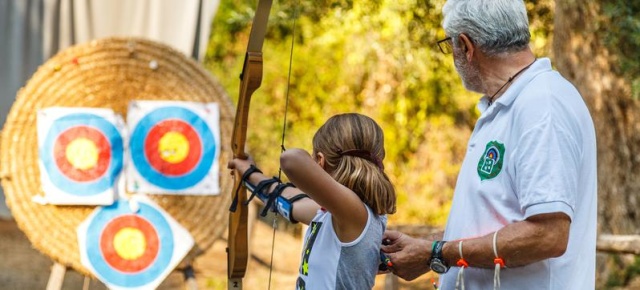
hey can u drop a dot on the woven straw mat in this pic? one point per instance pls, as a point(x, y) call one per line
point(107, 73)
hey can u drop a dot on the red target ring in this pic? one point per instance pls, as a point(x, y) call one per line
point(109, 246)
point(154, 153)
point(71, 171)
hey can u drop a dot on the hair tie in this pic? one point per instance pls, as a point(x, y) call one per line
point(364, 154)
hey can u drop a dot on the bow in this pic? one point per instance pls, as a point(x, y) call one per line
point(251, 78)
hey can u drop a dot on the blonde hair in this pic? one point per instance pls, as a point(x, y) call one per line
point(364, 175)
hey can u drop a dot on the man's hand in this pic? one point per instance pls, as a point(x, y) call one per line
point(409, 256)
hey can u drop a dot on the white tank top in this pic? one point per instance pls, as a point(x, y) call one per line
point(328, 263)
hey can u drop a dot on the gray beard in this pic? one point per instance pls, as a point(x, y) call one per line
point(469, 74)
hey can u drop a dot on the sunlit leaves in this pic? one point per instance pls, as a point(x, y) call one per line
point(374, 57)
point(622, 25)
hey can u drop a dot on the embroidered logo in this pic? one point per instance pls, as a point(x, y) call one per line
point(490, 163)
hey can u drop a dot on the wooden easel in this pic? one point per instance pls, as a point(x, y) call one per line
point(56, 278)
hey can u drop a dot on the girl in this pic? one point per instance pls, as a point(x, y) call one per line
point(349, 197)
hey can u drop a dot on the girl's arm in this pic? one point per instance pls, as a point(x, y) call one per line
point(303, 210)
point(348, 211)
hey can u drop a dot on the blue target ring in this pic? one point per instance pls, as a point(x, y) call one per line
point(96, 256)
point(63, 182)
point(150, 173)
point(493, 154)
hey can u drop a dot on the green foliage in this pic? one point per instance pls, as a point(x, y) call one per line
point(625, 274)
point(374, 57)
point(541, 21)
point(622, 37)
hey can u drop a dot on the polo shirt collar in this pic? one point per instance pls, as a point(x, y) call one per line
point(539, 66)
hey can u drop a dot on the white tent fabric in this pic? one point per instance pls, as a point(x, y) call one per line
point(183, 24)
point(31, 31)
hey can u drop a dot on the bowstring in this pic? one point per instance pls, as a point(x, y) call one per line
point(284, 130)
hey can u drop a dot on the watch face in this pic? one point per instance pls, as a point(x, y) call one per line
point(438, 266)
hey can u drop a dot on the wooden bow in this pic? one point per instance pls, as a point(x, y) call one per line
point(251, 78)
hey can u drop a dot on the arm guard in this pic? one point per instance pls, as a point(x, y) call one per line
point(273, 200)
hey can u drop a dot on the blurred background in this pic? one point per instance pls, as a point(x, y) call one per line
point(375, 57)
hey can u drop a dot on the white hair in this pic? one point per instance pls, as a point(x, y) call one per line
point(495, 26)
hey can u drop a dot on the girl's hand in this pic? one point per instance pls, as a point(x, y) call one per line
point(241, 165)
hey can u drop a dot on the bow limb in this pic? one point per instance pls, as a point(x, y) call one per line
point(251, 79)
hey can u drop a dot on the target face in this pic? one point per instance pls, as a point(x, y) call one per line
point(129, 243)
point(81, 153)
point(127, 249)
point(172, 147)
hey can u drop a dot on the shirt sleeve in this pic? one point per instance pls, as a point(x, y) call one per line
point(547, 167)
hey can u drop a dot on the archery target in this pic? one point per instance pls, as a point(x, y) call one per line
point(81, 154)
point(129, 249)
point(174, 147)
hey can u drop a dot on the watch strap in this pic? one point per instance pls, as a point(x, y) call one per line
point(433, 250)
point(437, 247)
point(437, 262)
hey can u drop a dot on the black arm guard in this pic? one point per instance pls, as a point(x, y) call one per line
point(273, 200)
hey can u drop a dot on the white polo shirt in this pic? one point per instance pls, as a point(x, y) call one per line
point(532, 152)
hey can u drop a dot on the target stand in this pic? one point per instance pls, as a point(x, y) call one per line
point(58, 271)
point(110, 73)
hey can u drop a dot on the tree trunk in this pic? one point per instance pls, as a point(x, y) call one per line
point(582, 56)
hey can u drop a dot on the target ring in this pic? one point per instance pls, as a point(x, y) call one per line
point(84, 172)
point(73, 170)
point(129, 271)
point(167, 157)
point(493, 154)
point(182, 161)
point(115, 247)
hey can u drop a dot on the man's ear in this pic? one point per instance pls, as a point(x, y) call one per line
point(467, 45)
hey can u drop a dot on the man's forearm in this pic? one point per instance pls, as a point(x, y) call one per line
point(518, 244)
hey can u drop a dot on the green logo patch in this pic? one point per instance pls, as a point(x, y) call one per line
point(490, 163)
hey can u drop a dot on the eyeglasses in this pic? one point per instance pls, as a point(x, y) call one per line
point(445, 45)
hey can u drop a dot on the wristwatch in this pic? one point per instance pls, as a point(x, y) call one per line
point(437, 262)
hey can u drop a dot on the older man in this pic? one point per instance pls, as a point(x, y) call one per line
point(523, 214)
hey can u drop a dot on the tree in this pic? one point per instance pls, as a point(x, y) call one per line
point(375, 57)
point(596, 46)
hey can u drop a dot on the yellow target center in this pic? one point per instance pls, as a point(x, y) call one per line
point(82, 153)
point(173, 147)
point(129, 243)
